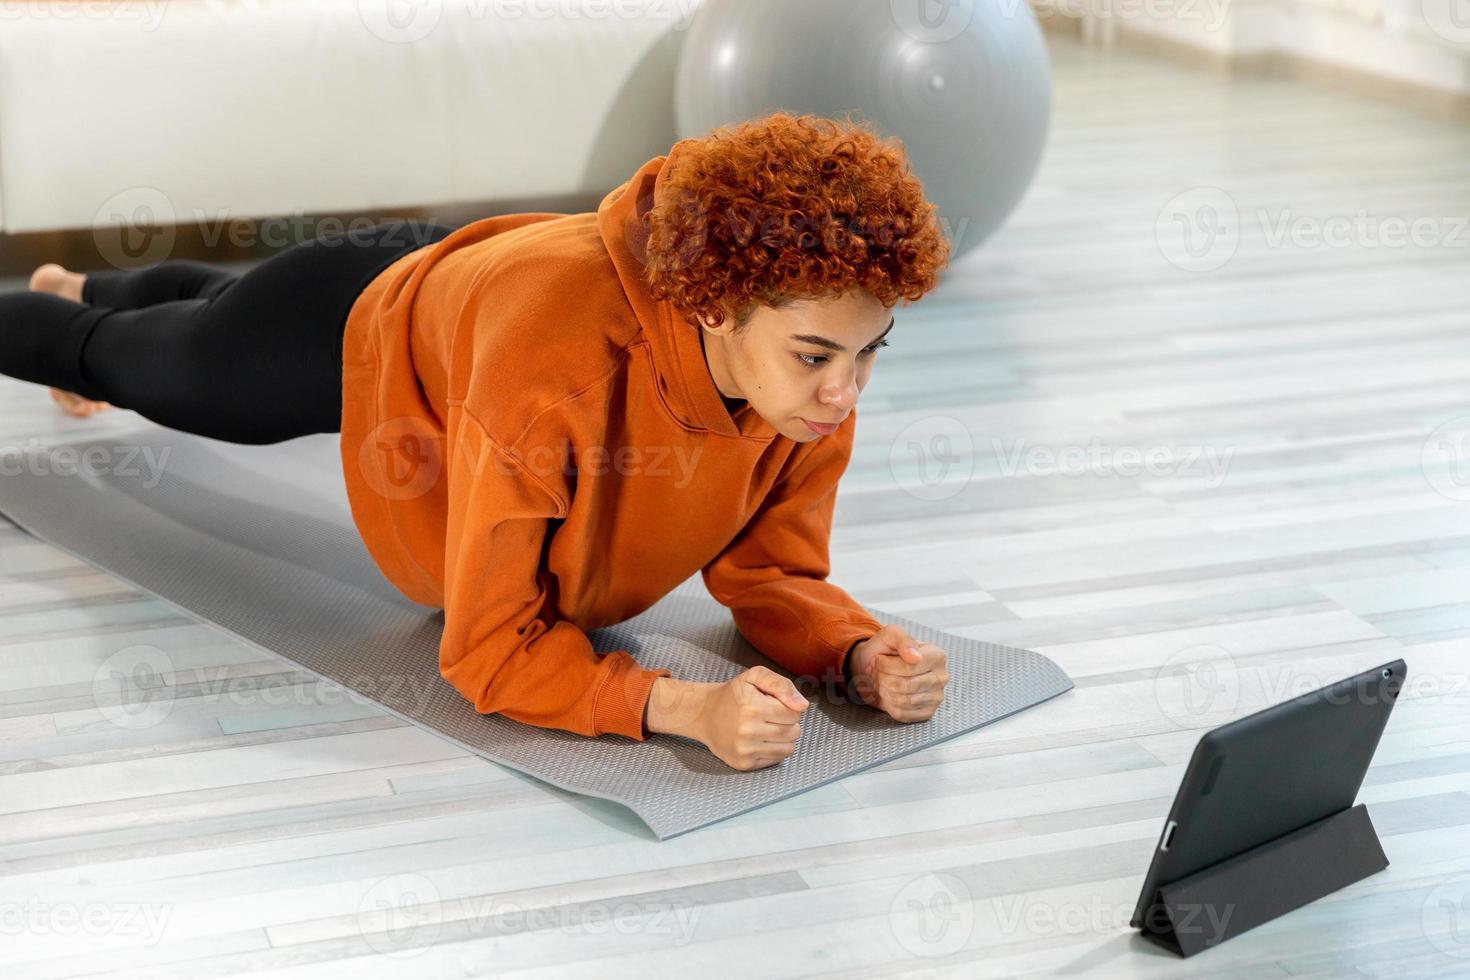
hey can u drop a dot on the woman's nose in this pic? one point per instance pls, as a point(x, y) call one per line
point(843, 396)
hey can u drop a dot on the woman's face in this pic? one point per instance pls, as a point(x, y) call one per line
point(808, 361)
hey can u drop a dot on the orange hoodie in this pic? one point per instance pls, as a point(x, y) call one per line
point(533, 443)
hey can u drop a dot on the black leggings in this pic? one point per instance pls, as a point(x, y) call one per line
point(252, 358)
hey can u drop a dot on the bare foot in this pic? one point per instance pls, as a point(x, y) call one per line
point(56, 279)
point(60, 281)
point(74, 404)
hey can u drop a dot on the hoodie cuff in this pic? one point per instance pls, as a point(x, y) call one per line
point(842, 636)
point(619, 706)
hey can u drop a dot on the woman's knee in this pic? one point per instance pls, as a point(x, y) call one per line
point(164, 282)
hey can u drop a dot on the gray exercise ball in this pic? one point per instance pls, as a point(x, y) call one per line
point(967, 90)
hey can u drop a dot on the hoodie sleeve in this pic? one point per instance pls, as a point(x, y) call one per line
point(503, 647)
point(773, 575)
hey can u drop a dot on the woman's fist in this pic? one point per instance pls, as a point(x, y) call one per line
point(897, 674)
point(750, 721)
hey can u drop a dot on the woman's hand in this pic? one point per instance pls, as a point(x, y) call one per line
point(897, 674)
point(748, 722)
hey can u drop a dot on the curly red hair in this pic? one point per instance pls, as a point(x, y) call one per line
point(784, 208)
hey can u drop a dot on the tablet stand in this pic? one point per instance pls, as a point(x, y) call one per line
point(1255, 886)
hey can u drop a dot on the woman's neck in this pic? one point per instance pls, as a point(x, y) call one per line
point(732, 405)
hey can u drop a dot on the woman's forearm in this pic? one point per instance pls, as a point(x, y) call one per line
point(676, 707)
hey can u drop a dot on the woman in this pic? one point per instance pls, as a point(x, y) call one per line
point(549, 421)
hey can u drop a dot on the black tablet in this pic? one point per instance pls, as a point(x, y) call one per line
point(1271, 773)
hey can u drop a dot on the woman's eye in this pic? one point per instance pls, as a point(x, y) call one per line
point(813, 360)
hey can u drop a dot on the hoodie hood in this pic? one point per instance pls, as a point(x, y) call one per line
point(678, 355)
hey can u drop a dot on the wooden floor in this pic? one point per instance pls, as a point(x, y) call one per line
point(1305, 513)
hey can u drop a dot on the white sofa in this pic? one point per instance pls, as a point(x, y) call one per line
point(208, 109)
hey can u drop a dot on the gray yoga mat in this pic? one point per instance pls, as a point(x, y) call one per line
point(259, 540)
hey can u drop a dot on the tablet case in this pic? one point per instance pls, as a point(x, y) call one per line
point(1226, 899)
